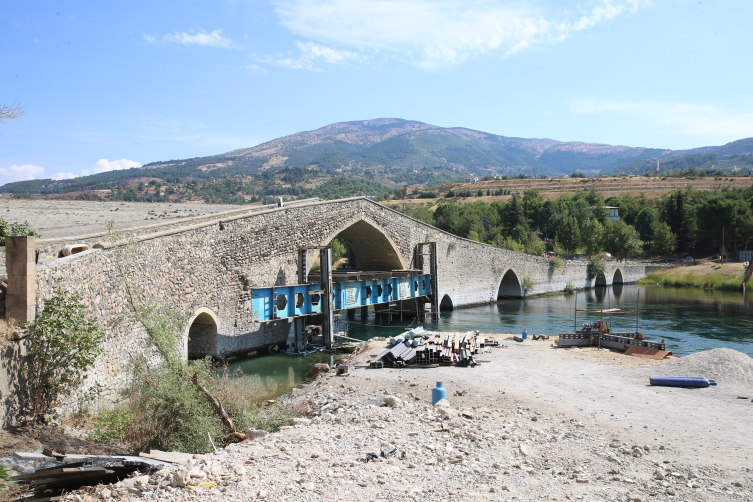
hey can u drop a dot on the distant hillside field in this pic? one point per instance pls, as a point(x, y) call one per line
point(397, 152)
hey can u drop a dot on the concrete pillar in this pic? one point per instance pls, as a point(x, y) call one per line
point(20, 262)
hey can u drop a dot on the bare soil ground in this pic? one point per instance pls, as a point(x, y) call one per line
point(608, 391)
point(532, 423)
point(22, 439)
point(62, 218)
point(728, 270)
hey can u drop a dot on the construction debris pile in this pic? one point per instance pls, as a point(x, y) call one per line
point(430, 349)
point(47, 474)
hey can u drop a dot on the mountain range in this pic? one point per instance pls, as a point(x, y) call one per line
point(375, 148)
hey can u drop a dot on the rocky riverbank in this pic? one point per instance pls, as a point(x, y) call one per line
point(519, 427)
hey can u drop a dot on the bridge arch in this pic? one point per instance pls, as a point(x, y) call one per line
point(201, 334)
point(509, 286)
point(617, 279)
point(446, 303)
point(601, 281)
point(371, 244)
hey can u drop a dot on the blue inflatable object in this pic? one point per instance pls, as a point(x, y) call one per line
point(695, 382)
point(438, 393)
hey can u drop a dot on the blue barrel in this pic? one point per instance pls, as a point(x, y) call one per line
point(695, 382)
point(525, 334)
point(438, 393)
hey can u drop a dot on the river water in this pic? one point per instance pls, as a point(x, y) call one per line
point(688, 320)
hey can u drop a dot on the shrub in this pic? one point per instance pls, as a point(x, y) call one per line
point(62, 345)
point(527, 285)
point(10, 229)
point(595, 268)
point(111, 425)
point(556, 263)
point(569, 289)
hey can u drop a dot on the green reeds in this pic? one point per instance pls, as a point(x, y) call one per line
point(708, 280)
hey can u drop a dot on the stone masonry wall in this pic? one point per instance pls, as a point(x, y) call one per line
point(211, 268)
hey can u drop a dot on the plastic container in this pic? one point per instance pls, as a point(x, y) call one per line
point(525, 334)
point(438, 393)
point(695, 382)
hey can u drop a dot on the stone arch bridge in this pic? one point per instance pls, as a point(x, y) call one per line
point(206, 268)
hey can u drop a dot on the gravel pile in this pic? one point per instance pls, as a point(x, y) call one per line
point(727, 367)
point(361, 444)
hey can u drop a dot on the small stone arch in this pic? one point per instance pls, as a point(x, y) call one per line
point(446, 303)
point(617, 279)
point(201, 334)
point(371, 244)
point(601, 281)
point(509, 286)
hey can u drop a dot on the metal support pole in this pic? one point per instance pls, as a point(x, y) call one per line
point(434, 271)
point(325, 262)
point(299, 323)
point(299, 327)
point(364, 312)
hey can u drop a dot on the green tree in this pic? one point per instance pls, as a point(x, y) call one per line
point(724, 213)
point(622, 240)
point(645, 223)
point(514, 213)
point(421, 212)
point(568, 235)
point(680, 216)
point(533, 202)
point(592, 236)
point(664, 240)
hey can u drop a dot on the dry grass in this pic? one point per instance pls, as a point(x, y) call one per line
point(8, 330)
point(552, 188)
point(707, 275)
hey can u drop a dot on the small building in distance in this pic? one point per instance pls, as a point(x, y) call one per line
point(471, 180)
point(613, 212)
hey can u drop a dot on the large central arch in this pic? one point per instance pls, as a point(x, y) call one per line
point(509, 286)
point(373, 247)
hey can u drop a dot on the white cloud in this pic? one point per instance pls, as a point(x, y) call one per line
point(435, 33)
point(311, 54)
point(104, 165)
point(211, 39)
point(30, 172)
point(684, 119)
point(20, 173)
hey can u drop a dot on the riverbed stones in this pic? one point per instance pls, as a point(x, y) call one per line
point(320, 368)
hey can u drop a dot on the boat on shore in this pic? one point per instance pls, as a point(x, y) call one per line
point(600, 334)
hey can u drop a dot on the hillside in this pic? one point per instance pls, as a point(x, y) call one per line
point(395, 152)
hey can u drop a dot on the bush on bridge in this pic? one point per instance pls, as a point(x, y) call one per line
point(62, 344)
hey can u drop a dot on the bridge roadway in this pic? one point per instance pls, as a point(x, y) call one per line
point(207, 269)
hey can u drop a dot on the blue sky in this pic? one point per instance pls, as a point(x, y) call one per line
point(111, 85)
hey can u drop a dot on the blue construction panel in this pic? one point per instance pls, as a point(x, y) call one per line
point(291, 301)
